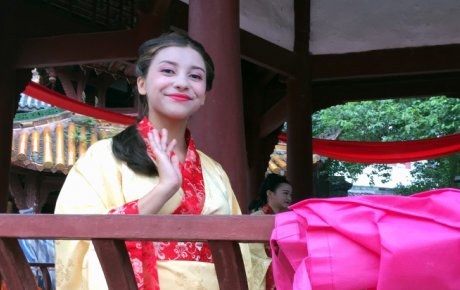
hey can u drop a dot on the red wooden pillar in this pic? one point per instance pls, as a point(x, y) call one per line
point(300, 164)
point(7, 88)
point(299, 134)
point(219, 127)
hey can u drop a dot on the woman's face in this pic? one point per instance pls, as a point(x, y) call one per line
point(175, 84)
point(281, 198)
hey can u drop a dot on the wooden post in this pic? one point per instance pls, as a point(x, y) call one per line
point(299, 148)
point(14, 267)
point(254, 144)
point(219, 126)
point(8, 89)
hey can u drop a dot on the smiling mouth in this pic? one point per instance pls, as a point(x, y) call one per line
point(180, 97)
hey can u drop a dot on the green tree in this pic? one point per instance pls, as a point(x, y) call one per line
point(395, 120)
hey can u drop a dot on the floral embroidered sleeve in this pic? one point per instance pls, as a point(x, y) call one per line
point(127, 208)
point(140, 253)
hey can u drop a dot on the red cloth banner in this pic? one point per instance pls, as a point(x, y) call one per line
point(386, 152)
point(351, 151)
point(54, 98)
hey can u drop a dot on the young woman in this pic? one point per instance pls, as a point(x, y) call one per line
point(274, 197)
point(153, 167)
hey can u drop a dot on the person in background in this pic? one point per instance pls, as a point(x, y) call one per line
point(275, 195)
point(150, 168)
point(38, 251)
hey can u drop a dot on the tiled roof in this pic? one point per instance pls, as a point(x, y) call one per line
point(55, 144)
point(27, 103)
point(278, 159)
point(51, 139)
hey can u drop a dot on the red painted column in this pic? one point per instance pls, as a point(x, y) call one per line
point(299, 147)
point(219, 127)
point(299, 134)
point(7, 87)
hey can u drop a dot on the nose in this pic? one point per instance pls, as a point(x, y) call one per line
point(181, 81)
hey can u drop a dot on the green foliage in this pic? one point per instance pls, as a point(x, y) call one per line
point(395, 120)
point(85, 121)
point(37, 114)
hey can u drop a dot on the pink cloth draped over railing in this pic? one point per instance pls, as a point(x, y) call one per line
point(370, 242)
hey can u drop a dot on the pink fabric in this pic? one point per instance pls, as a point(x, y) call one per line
point(370, 242)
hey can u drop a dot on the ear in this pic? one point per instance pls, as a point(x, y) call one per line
point(141, 87)
point(270, 194)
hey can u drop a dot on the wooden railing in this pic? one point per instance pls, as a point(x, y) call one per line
point(108, 233)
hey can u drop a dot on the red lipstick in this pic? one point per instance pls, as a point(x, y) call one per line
point(180, 97)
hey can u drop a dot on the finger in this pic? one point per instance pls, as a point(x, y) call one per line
point(171, 146)
point(154, 143)
point(164, 138)
point(175, 163)
point(155, 139)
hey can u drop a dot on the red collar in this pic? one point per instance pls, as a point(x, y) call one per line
point(267, 209)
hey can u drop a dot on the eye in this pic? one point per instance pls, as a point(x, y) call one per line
point(196, 76)
point(167, 71)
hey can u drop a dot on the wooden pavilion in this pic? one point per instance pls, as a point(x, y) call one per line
point(276, 61)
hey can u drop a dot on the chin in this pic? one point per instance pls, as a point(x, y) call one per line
point(180, 115)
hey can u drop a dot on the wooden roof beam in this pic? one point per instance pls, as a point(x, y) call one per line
point(328, 93)
point(333, 92)
point(106, 47)
point(122, 45)
point(273, 118)
point(94, 47)
point(266, 54)
point(399, 61)
point(77, 49)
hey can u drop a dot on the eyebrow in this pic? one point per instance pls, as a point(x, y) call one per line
point(175, 64)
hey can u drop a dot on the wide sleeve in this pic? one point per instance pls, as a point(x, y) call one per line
point(255, 259)
point(93, 186)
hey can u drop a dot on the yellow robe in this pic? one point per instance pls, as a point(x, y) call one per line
point(99, 182)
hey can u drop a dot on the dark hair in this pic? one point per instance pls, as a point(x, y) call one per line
point(128, 145)
point(271, 182)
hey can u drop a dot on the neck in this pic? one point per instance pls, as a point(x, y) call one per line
point(176, 130)
point(274, 208)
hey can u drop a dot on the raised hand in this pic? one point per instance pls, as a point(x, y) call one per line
point(170, 177)
point(166, 161)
